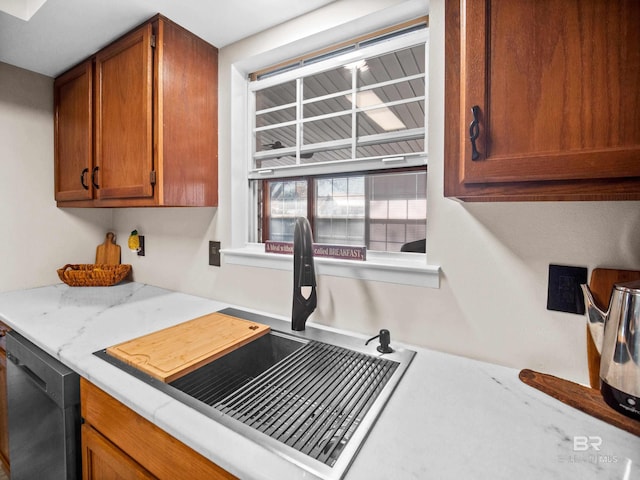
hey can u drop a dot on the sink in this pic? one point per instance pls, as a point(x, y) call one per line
point(309, 396)
point(220, 378)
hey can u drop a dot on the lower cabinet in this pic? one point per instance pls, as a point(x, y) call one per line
point(117, 443)
point(101, 459)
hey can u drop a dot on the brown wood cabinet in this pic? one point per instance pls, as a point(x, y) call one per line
point(73, 135)
point(102, 459)
point(119, 443)
point(547, 91)
point(137, 124)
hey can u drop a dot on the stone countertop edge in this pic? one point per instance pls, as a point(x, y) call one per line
point(450, 416)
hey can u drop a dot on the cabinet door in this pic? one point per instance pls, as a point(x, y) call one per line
point(101, 460)
point(145, 444)
point(124, 122)
point(554, 87)
point(73, 133)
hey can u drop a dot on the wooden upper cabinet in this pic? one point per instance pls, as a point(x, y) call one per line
point(153, 104)
point(548, 91)
point(73, 133)
point(124, 117)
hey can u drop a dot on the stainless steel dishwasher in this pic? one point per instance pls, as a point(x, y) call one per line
point(44, 414)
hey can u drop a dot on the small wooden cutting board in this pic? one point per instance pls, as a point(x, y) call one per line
point(108, 253)
point(173, 352)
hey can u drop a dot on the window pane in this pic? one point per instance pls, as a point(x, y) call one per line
point(391, 119)
point(276, 96)
point(276, 138)
point(391, 93)
point(326, 155)
point(340, 210)
point(397, 209)
point(273, 117)
point(277, 147)
point(328, 105)
point(270, 162)
point(325, 83)
point(390, 149)
point(403, 63)
point(287, 201)
point(327, 130)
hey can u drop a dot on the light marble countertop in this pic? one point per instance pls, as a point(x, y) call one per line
point(449, 418)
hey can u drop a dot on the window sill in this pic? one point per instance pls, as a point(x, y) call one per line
point(399, 268)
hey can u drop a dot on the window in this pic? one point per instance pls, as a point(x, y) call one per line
point(382, 211)
point(341, 139)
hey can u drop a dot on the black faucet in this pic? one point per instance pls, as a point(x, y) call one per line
point(304, 275)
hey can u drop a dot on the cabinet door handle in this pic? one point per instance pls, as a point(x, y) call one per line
point(93, 176)
point(474, 131)
point(83, 175)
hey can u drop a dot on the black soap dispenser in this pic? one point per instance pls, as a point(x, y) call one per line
point(385, 341)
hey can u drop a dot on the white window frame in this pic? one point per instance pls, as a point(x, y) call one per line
point(392, 267)
point(340, 166)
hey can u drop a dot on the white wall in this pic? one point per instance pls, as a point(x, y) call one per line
point(37, 238)
point(494, 257)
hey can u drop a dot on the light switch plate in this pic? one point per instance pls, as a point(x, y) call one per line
point(564, 293)
point(214, 253)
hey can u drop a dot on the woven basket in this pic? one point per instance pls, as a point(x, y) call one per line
point(93, 275)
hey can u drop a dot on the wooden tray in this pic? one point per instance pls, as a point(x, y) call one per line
point(578, 396)
point(173, 352)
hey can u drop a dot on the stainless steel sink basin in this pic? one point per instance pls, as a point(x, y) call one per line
point(309, 396)
point(213, 382)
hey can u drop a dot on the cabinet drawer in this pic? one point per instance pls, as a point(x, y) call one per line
point(154, 449)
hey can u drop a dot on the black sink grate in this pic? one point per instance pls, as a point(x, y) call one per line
point(211, 383)
point(313, 400)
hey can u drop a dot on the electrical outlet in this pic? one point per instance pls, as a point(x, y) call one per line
point(214, 253)
point(564, 293)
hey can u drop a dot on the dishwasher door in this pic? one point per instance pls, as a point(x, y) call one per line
point(44, 414)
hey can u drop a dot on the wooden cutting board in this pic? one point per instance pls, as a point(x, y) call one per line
point(578, 396)
point(173, 352)
point(601, 285)
point(108, 253)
